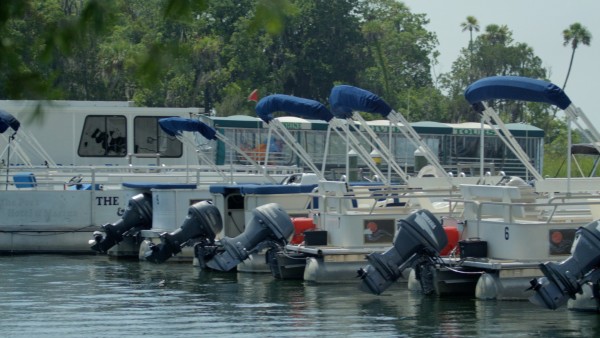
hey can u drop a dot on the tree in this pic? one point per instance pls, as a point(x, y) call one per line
point(109, 50)
point(470, 25)
point(574, 35)
point(397, 50)
point(493, 53)
point(41, 42)
point(321, 44)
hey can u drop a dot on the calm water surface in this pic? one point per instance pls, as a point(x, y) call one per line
point(92, 296)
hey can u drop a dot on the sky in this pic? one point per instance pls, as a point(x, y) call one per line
point(539, 24)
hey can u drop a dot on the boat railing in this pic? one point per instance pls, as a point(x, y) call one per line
point(131, 156)
point(471, 166)
point(113, 176)
point(574, 209)
point(370, 199)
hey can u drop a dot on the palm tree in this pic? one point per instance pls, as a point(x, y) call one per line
point(575, 34)
point(470, 25)
point(498, 35)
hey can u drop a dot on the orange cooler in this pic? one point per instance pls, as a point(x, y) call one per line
point(453, 237)
point(301, 224)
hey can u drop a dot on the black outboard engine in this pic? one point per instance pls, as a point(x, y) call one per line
point(203, 223)
point(270, 224)
point(138, 215)
point(563, 280)
point(420, 234)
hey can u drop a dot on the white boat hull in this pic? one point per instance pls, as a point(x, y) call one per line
point(58, 221)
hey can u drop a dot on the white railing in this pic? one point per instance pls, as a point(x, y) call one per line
point(112, 177)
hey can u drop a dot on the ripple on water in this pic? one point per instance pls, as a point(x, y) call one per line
point(58, 296)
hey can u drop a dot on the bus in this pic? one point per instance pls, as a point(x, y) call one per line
point(458, 145)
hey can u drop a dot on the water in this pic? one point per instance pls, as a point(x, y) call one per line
point(92, 296)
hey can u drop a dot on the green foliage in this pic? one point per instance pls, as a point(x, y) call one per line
point(271, 15)
point(184, 10)
point(214, 53)
point(170, 52)
point(235, 102)
point(399, 46)
point(555, 150)
point(492, 53)
point(394, 58)
point(574, 35)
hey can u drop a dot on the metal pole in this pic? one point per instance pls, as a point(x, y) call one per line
point(12, 137)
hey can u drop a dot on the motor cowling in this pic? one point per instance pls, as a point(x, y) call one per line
point(420, 234)
point(203, 222)
point(137, 215)
point(563, 280)
point(270, 223)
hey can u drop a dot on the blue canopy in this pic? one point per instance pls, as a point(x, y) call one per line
point(175, 125)
point(296, 106)
point(516, 88)
point(345, 99)
point(7, 120)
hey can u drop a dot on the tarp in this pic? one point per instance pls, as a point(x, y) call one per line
point(7, 120)
point(345, 99)
point(175, 125)
point(296, 106)
point(516, 88)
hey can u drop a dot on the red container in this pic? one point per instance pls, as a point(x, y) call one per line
point(301, 224)
point(453, 237)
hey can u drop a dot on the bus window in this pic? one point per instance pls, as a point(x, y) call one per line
point(149, 138)
point(103, 136)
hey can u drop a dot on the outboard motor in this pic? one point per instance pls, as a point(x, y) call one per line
point(563, 280)
point(270, 224)
point(203, 222)
point(420, 234)
point(137, 215)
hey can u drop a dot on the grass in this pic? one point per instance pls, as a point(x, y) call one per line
point(556, 166)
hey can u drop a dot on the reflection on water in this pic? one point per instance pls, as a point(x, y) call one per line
point(89, 296)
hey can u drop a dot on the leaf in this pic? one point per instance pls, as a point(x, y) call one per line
point(184, 10)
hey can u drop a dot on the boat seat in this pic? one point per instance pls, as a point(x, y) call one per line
point(25, 180)
point(364, 197)
point(335, 193)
